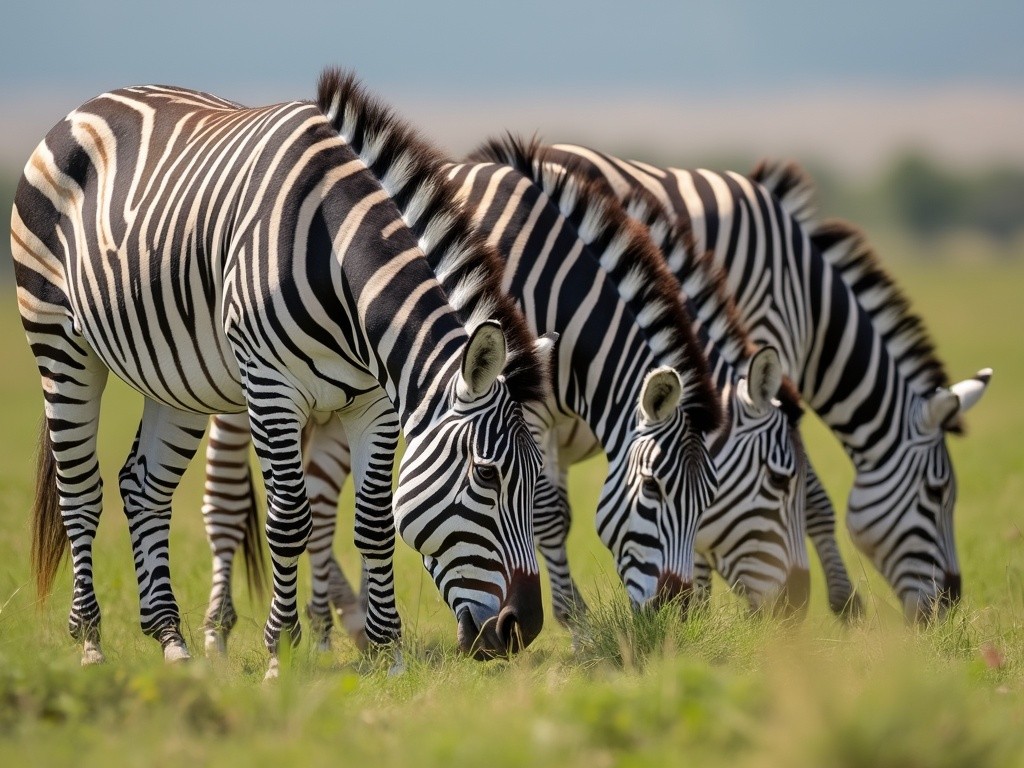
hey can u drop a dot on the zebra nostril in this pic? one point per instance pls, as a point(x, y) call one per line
point(509, 632)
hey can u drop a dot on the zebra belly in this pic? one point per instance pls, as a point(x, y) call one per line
point(186, 371)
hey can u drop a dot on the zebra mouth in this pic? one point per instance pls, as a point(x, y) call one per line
point(483, 642)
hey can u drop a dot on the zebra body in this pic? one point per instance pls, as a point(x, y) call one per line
point(753, 529)
point(884, 396)
point(221, 259)
point(611, 383)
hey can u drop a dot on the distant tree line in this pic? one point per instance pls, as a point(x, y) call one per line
point(915, 194)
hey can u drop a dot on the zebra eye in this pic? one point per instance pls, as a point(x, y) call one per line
point(486, 475)
point(933, 493)
point(650, 487)
point(778, 480)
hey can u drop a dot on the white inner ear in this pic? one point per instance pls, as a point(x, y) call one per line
point(483, 359)
point(661, 394)
point(969, 391)
point(764, 378)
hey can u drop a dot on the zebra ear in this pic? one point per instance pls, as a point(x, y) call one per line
point(969, 391)
point(544, 346)
point(482, 360)
point(764, 378)
point(943, 409)
point(661, 393)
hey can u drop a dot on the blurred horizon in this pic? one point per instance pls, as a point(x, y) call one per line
point(855, 93)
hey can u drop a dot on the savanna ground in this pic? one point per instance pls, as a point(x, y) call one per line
point(721, 689)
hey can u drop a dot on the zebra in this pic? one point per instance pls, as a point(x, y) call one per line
point(637, 387)
point(885, 395)
point(753, 532)
point(220, 259)
point(762, 469)
point(517, 214)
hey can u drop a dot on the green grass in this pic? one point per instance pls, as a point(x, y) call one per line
point(720, 689)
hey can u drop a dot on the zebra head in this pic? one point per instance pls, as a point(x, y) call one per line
point(753, 532)
point(465, 502)
point(656, 491)
point(900, 511)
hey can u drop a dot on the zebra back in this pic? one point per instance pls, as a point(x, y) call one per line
point(412, 173)
point(629, 256)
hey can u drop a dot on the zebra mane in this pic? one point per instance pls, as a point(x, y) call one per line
point(624, 250)
point(792, 186)
point(848, 251)
point(412, 173)
point(705, 285)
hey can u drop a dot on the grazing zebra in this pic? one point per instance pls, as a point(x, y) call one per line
point(753, 534)
point(883, 393)
point(224, 259)
point(637, 387)
point(753, 531)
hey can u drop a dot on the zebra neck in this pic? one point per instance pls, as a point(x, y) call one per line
point(411, 339)
point(561, 287)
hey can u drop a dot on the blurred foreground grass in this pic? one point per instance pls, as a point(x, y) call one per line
point(721, 689)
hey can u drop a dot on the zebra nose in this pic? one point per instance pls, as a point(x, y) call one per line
point(671, 588)
point(522, 616)
point(951, 588)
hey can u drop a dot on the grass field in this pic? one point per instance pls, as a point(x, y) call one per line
point(722, 689)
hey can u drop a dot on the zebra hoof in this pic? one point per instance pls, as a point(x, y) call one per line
point(273, 670)
point(176, 653)
point(215, 645)
point(354, 623)
point(398, 666)
point(91, 656)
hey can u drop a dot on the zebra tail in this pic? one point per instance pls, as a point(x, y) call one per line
point(50, 541)
point(252, 545)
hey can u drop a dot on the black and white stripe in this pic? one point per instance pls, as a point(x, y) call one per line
point(607, 369)
point(220, 259)
point(853, 374)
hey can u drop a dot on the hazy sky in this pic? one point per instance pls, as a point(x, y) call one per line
point(431, 58)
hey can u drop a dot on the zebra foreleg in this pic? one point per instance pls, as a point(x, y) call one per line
point(552, 519)
point(821, 527)
point(276, 421)
point(165, 443)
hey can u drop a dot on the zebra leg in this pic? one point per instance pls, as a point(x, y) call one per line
point(349, 605)
point(821, 527)
point(701, 580)
point(328, 463)
point(164, 445)
point(276, 420)
point(73, 379)
point(552, 518)
point(374, 440)
point(227, 503)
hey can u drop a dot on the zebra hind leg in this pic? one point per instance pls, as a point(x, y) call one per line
point(69, 488)
point(228, 505)
point(166, 441)
point(328, 463)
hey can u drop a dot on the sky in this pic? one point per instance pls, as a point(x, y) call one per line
point(848, 81)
